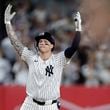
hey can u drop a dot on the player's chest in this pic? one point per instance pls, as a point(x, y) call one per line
point(44, 68)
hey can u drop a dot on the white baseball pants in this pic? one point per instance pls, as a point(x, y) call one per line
point(30, 105)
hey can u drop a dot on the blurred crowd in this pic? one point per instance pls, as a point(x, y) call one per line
point(90, 65)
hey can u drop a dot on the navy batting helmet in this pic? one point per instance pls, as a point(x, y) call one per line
point(45, 35)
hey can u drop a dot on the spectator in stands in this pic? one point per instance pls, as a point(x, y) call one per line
point(20, 70)
point(5, 68)
point(8, 50)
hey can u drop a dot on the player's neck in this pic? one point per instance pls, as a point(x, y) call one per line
point(45, 56)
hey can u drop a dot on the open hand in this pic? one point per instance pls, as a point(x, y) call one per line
point(8, 14)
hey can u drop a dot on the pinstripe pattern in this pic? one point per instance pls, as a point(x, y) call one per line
point(30, 105)
point(39, 85)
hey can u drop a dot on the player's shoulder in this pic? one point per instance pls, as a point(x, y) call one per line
point(59, 54)
point(27, 52)
point(26, 49)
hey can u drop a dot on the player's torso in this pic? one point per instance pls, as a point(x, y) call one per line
point(44, 77)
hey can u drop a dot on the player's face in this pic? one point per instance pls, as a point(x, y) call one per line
point(44, 45)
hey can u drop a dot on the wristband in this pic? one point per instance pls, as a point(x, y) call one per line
point(7, 22)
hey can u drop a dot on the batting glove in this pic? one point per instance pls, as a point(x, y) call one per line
point(77, 20)
point(8, 16)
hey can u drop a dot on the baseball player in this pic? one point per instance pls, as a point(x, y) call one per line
point(45, 68)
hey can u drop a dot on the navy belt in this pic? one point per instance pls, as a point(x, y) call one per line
point(44, 103)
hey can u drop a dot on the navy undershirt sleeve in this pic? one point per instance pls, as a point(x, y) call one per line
point(74, 46)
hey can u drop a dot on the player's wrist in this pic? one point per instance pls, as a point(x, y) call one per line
point(78, 29)
point(7, 22)
point(78, 26)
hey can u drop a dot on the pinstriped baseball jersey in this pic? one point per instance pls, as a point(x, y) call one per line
point(44, 77)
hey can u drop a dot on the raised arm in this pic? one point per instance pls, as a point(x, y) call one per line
point(75, 43)
point(10, 31)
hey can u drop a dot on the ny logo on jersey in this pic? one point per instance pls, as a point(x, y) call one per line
point(49, 70)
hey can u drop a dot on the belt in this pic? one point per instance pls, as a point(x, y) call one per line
point(45, 103)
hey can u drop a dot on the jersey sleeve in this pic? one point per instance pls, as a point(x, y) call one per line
point(26, 54)
point(62, 59)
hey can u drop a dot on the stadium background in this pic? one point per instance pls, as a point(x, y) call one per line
point(86, 82)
